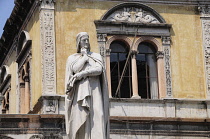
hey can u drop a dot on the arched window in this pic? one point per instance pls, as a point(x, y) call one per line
point(149, 60)
point(5, 88)
point(118, 57)
point(147, 71)
point(24, 60)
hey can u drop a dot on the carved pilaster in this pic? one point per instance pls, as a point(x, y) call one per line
point(166, 41)
point(102, 43)
point(48, 47)
point(204, 10)
point(205, 19)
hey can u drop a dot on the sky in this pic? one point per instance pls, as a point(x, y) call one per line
point(6, 7)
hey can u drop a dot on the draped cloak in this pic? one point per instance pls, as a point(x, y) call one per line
point(86, 103)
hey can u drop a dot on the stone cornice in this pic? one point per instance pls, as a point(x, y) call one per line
point(14, 24)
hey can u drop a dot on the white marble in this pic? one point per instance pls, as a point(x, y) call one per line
point(87, 94)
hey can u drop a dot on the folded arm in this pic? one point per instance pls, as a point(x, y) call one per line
point(80, 63)
point(93, 71)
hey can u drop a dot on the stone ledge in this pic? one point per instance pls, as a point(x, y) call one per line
point(158, 119)
point(175, 100)
point(29, 116)
point(187, 127)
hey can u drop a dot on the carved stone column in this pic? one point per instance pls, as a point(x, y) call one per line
point(134, 76)
point(47, 31)
point(205, 19)
point(108, 72)
point(27, 94)
point(166, 41)
point(22, 97)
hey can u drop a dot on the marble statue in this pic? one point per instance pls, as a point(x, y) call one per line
point(87, 104)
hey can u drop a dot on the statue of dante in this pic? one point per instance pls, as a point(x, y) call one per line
point(87, 104)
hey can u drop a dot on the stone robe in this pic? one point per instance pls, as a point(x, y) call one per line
point(87, 103)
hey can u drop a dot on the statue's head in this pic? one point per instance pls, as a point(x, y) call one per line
point(83, 41)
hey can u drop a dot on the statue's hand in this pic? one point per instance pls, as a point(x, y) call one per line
point(78, 76)
point(84, 51)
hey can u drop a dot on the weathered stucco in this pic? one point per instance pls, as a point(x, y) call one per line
point(187, 63)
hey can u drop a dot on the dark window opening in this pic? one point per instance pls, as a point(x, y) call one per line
point(147, 71)
point(118, 56)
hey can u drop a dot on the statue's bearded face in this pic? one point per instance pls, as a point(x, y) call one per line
point(84, 42)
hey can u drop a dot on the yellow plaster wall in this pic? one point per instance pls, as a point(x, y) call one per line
point(33, 27)
point(186, 49)
point(187, 60)
point(13, 97)
point(70, 19)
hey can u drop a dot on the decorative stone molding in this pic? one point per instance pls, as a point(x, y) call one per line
point(108, 51)
point(133, 14)
point(166, 40)
point(101, 37)
point(114, 38)
point(48, 47)
point(151, 40)
point(159, 54)
point(166, 46)
point(204, 10)
point(47, 4)
point(134, 53)
point(205, 19)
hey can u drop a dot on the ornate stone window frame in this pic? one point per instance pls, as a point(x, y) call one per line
point(24, 57)
point(23, 48)
point(5, 85)
point(109, 29)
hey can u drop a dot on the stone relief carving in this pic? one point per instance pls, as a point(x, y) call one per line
point(159, 54)
point(133, 14)
point(51, 107)
point(204, 10)
point(166, 43)
point(48, 47)
point(206, 43)
point(102, 43)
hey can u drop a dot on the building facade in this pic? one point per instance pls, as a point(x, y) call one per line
point(156, 55)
